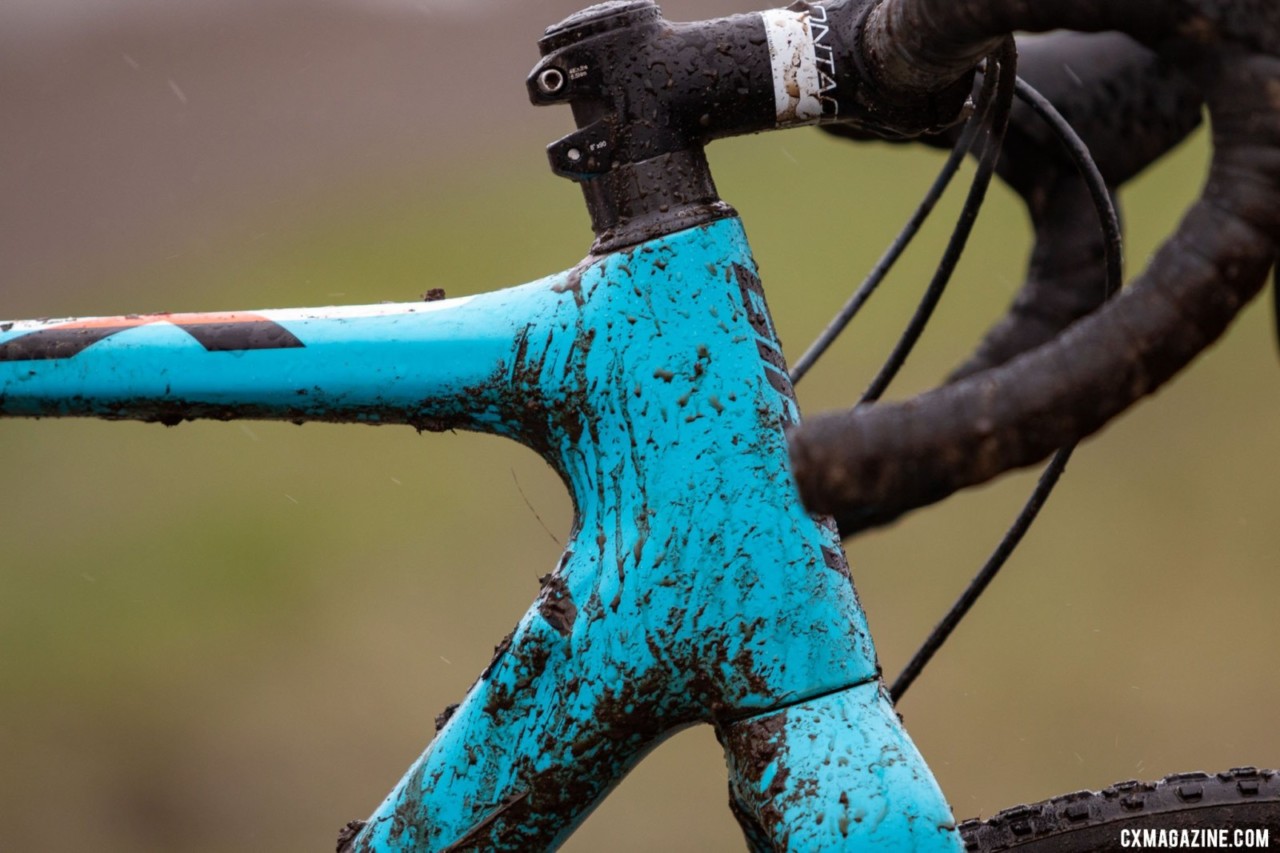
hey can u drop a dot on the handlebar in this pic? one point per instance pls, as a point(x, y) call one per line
point(870, 465)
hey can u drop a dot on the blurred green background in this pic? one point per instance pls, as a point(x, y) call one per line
point(236, 636)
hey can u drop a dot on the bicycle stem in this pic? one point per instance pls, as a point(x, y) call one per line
point(648, 94)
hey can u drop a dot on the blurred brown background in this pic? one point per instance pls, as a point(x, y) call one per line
point(235, 636)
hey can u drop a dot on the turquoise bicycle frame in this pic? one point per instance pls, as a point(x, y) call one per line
point(695, 587)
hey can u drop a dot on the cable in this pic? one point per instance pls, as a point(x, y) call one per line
point(1006, 72)
point(942, 631)
point(1110, 223)
point(878, 273)
point(1079, 154)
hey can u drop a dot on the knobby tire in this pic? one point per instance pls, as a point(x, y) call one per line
point(1085, 821)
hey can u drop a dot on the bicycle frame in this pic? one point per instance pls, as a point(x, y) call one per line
point(652, 381)
point(184, 346)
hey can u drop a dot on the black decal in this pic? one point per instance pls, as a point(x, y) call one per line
point(55, 343)
point(835, 561)
point(780, 382)
point(770, 355)
point(239, 336)
point(235, 333)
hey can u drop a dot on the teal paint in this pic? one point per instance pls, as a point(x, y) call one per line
point(694, 588)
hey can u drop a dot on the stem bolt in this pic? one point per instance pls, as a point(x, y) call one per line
point(550, 81)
